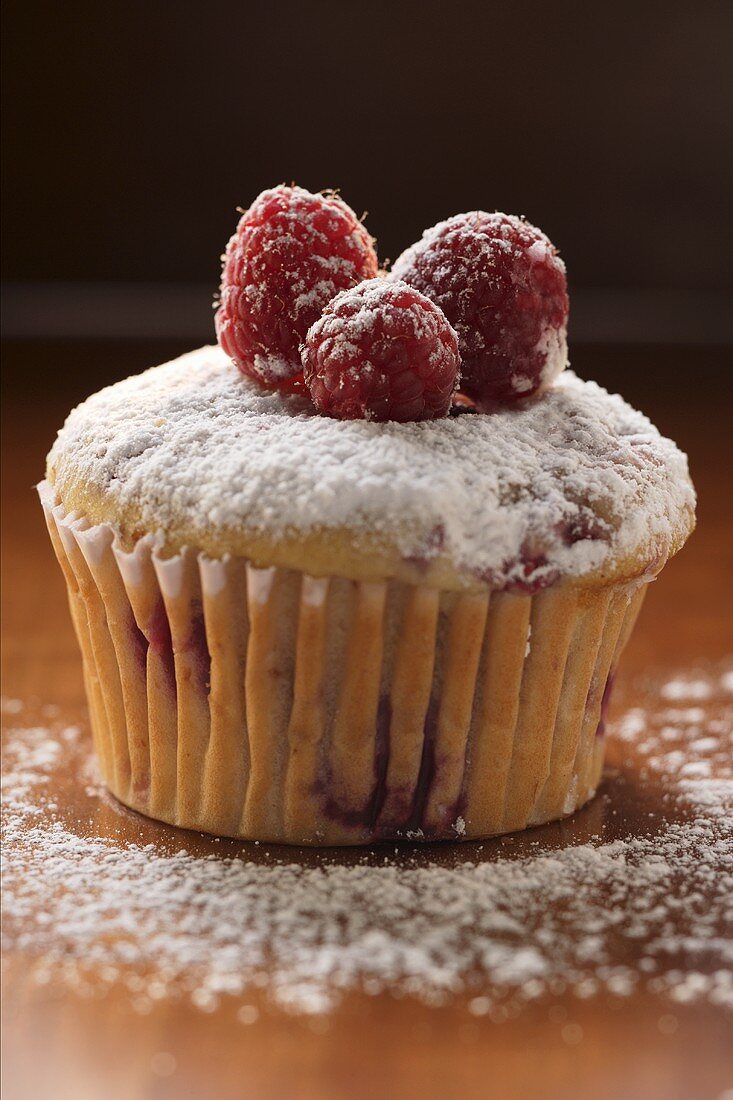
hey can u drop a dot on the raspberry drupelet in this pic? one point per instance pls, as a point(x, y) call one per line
point(382, 351)
point(291, 253)
point(502, 285)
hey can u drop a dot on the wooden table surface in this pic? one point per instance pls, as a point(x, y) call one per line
point(60, 1044)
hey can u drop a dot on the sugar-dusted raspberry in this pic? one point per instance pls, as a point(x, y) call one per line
point(501, 284)
point(381, 351)
point(291, 253)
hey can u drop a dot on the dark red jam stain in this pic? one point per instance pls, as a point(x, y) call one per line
point(418, 561)
point(582, 526)
point(351, 819)
point(400, 800)
point(426, 774)
point(436, 539)
point(138, 644)
point(197, 645)
point(531, 572)
point(533, 575)
point(411, 823)
point(381, 759)
point(160, 641)
point(367, 816)
point(529, 575)
point(532, 581)
point(431, 766)
point(605, 701)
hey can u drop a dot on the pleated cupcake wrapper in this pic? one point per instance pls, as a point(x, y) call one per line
point(272, 705)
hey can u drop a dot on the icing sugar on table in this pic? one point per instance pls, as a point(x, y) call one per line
point(586, 908)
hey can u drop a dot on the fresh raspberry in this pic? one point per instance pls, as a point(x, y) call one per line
point(381, 351)
point(501, 284)
point(291, 253)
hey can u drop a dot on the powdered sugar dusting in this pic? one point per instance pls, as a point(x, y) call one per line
point(573, 482)
point(605, 914)
point(553, 346)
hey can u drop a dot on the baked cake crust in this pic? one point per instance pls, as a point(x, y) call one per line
point(576, 484)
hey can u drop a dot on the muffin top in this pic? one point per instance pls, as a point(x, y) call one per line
point(574, 483)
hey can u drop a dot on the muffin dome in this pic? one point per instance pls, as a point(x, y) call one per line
point(574, 484)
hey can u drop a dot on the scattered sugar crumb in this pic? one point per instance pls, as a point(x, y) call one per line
point(496, 932)
point(163, 1064)
point(687, 689)
point(248, 1014)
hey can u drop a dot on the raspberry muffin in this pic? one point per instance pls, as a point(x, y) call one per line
point(321, 597)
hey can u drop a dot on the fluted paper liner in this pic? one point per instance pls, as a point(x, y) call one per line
point(271, 705)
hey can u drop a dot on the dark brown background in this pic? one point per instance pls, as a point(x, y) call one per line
point(133, 130)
